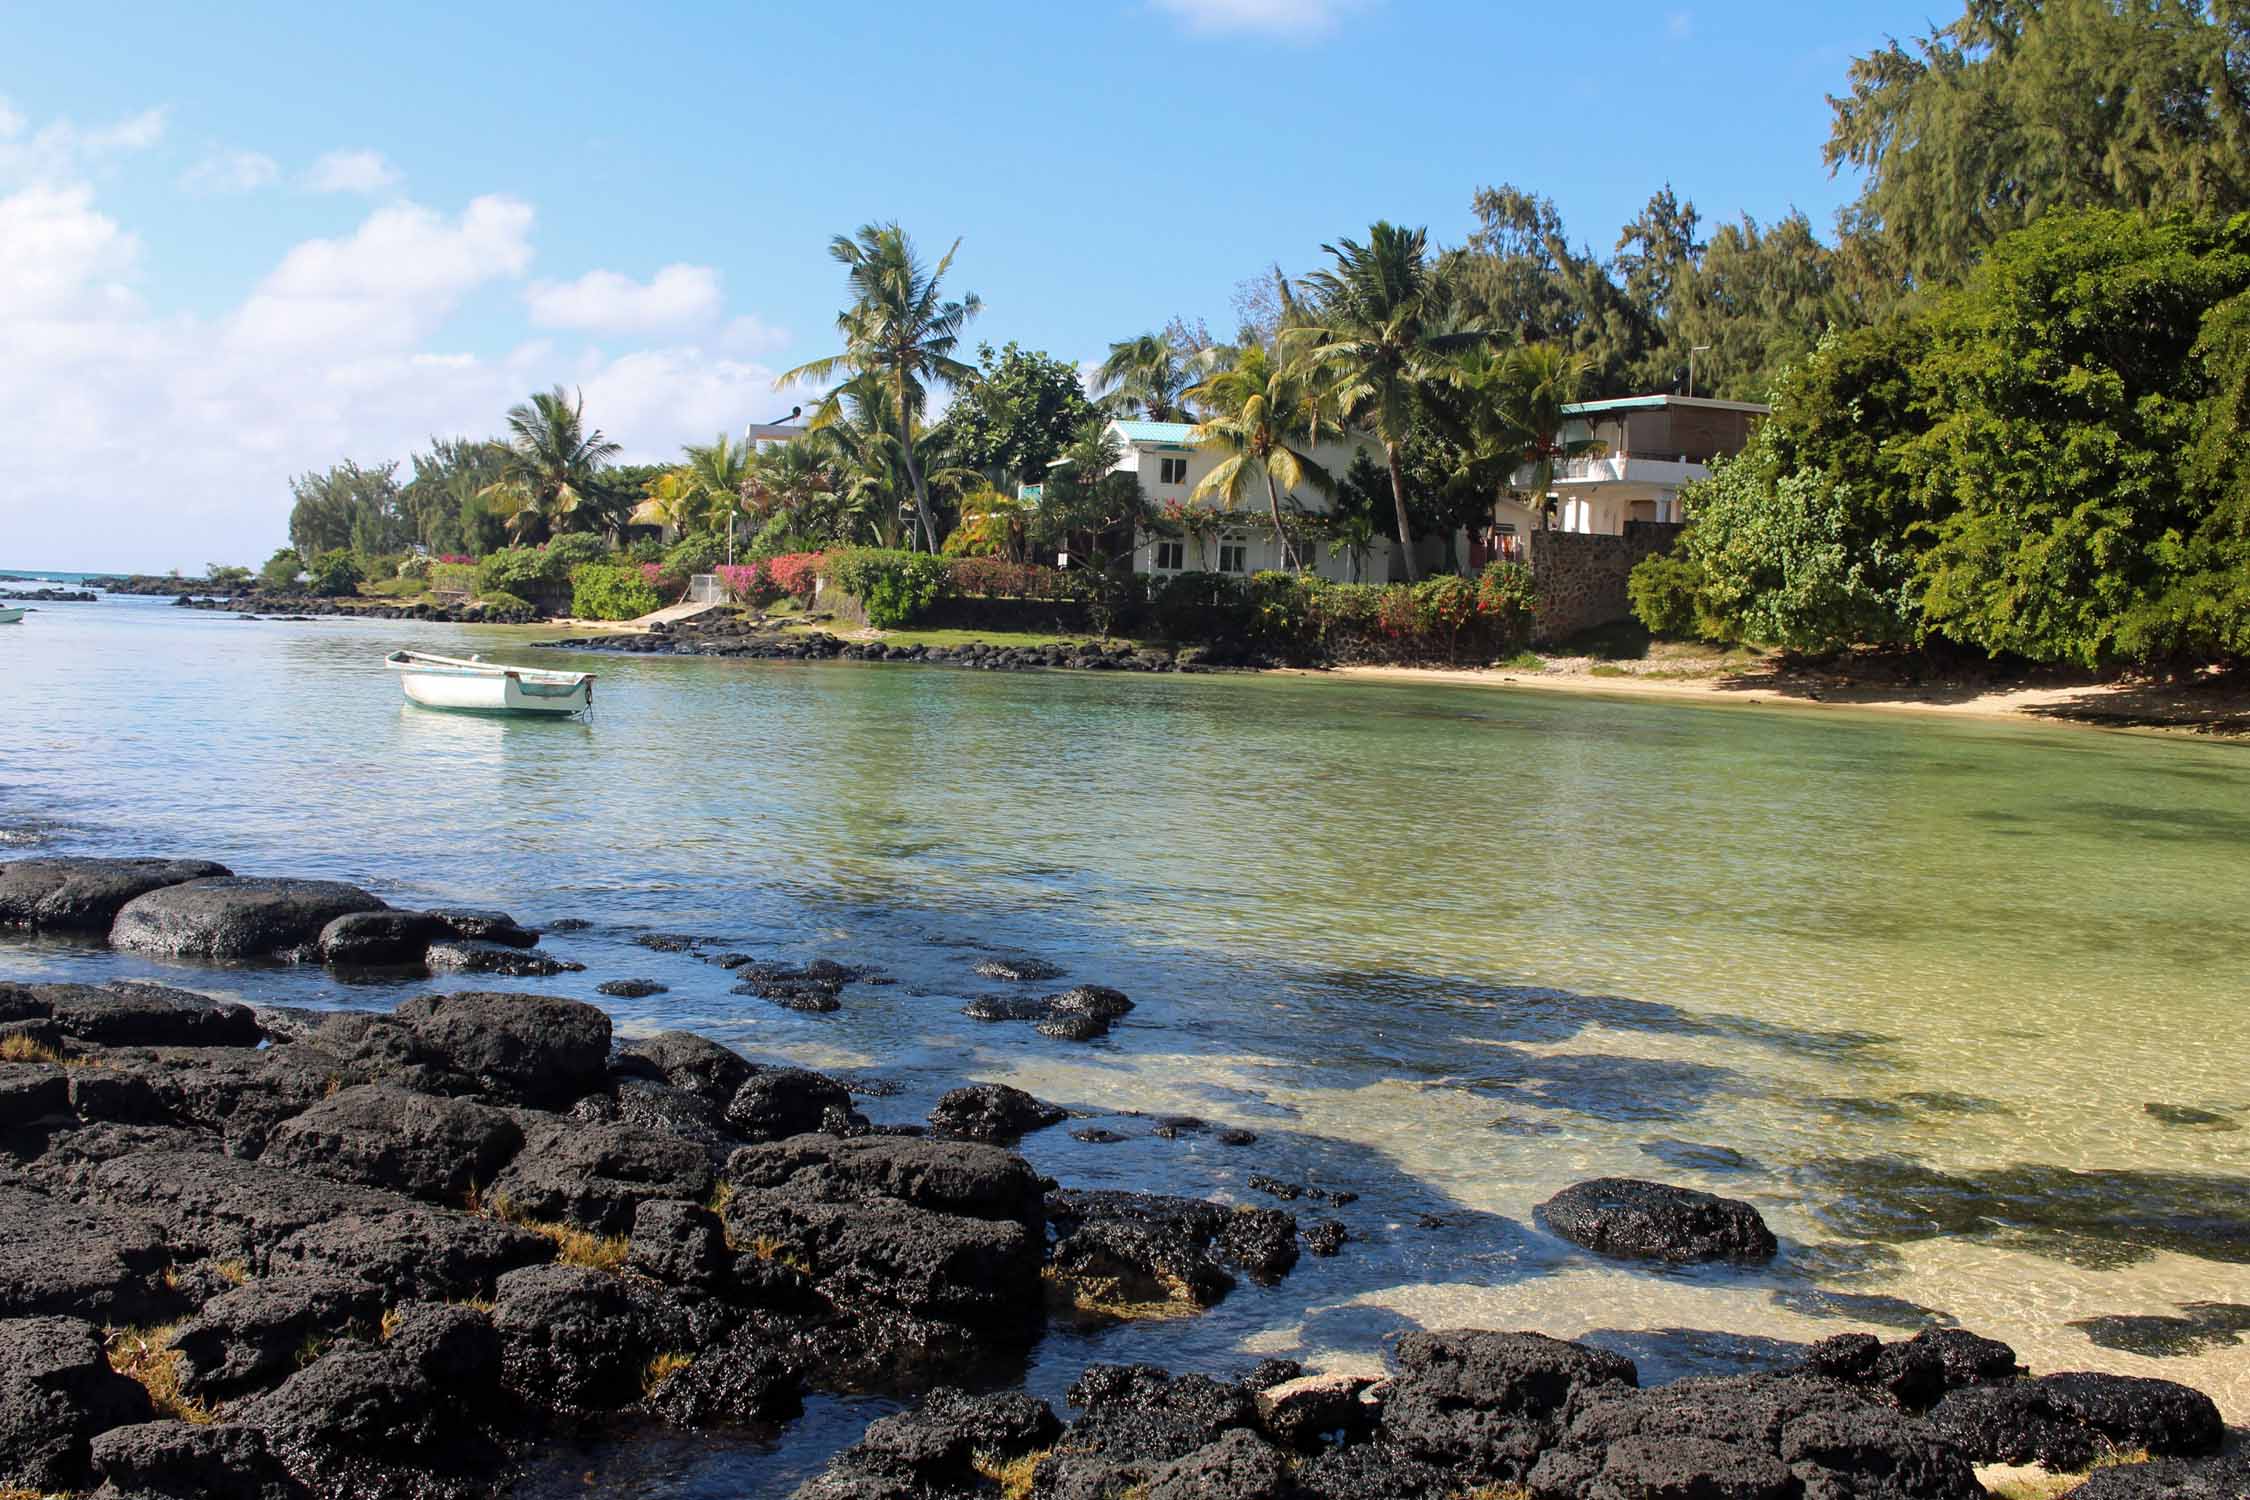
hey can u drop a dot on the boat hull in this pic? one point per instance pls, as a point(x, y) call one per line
point(10, 616)
point(494, 694)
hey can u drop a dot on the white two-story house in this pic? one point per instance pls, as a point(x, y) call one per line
point(1242, 540)
point(1649, 447)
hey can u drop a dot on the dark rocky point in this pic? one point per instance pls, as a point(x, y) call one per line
point(1625, 1216)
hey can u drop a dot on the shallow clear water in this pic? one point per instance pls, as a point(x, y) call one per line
point(1450, 948)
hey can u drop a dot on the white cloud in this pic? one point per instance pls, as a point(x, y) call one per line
point(1285, 18)
point(231, 172)
point(754, 335)
point(62, 150)
point(391, 283)
point(604, 300)
point(168, 441)
point(1680, 25)
point(352, 172)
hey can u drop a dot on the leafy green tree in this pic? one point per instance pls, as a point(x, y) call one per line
point(1088, 506)
point(335, 573)
point(226, 577)
point(1757, 301)
point(2016, 109)
point(1378, 327)
point(2070, 383)
point(1809, 538)
point(1265, 417)
point(441, 498)
point(278, 574)
point(1147, 376)
point(348, 506)
point(1017, 414)
point(899, 330)
point(551, 471)
point(1527, 413)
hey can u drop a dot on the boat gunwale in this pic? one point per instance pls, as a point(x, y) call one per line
point(426, 664)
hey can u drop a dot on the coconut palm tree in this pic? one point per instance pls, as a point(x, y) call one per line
point(550, 472)
point(1145, 376)
point(1378, 326)
point(1264, 416)
point(898, 329)
point(703, 492)
point(1536, 385)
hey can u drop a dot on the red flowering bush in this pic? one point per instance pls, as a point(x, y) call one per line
point(654, 573)
point(793, 573)
point(997, 578)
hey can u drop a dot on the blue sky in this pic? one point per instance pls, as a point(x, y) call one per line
point(239, 243)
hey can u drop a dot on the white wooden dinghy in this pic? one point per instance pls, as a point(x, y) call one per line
point(449, 682)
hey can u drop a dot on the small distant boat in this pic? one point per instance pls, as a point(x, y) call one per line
point(12, 615)
point(449, 682)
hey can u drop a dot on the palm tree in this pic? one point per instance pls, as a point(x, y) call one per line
point(899, 330)
point(550, 471)
point(1378, 327)
point(1264, 417)
point(1144, 375)
point(702, 493)
point(1536, 386)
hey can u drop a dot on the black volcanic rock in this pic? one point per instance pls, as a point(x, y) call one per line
point(233, 916)
point(86, 894)
point(1625, 1216)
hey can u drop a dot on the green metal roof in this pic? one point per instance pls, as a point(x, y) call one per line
point(1155, 432)
point(1652, 403)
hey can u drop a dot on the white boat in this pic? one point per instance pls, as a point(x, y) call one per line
point(12, 615)
point(449, 682)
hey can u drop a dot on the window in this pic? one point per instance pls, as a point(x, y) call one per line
point(1171, 557)
point(1171, 471)
point(1234, 553)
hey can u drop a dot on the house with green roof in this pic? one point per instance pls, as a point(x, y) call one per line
point(1645, 449)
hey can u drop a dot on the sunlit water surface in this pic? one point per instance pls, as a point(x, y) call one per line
point(1910, 986)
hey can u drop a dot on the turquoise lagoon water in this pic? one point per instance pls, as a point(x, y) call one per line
point(1910, 986)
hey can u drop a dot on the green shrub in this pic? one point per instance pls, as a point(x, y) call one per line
point(645, 549)
point(279, 574)
point(895, 588)
point(414, 567)
point(1666, 594)
point(515, 568)
point(570, 549)
point(1200, 606)
point(501, 602)
point(336, 573)
point(455, 578)
point(607, 591)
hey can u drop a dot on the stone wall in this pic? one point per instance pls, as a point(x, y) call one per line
point(1581, 577)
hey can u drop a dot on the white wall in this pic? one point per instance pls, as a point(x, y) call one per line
point(1256, 527)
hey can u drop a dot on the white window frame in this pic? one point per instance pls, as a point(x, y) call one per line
point(1178, 550)
point(1170, 470)
point(1239, 543)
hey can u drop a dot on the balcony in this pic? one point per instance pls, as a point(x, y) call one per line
point(1662, 471)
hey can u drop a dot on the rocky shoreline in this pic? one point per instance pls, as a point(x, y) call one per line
point(280, 1252)
point(309, 606)
point(47, 596)
point(747, 639)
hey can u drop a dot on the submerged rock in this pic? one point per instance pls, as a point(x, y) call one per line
point(373, 939)
point(1625, 1216)
point(477, 956)
point(631, 989)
